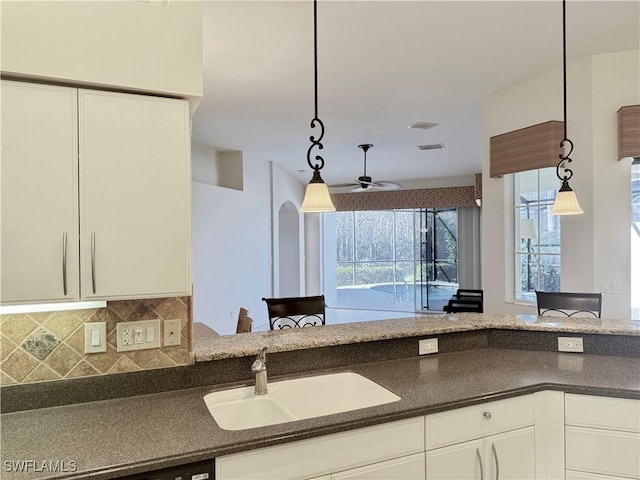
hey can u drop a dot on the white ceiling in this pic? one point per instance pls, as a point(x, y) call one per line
point(381, 66)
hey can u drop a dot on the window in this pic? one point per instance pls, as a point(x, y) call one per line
point(635, 240)
point(398, 260)
point(537, 233)
point(375, 259)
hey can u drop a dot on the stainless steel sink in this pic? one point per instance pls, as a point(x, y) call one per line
point(297, 399)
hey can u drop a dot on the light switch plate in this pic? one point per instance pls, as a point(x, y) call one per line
point(172, 333)
point(140, 335)
point(101, 329)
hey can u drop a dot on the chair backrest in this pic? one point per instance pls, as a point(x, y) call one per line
point(292, 312)
point(464, 305)
point(569, 304)
point(244, 321)
point(468, 293)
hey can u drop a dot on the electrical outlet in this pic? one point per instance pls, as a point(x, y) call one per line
point(570, 344)
point(138, 335)
point(428, 345)
point(171, 332)
point(126, 338)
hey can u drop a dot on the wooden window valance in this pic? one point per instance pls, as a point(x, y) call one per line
point(445, 197)
point(629, 132)
point(530, 148)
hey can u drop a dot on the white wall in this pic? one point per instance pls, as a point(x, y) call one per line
point(232, 249)
point(234, 241)
point(595, 245)
point(132, 45)
point(287, 189)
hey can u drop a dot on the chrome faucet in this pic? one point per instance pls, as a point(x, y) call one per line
point(259, 368)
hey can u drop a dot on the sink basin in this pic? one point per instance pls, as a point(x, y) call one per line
point(297, 399)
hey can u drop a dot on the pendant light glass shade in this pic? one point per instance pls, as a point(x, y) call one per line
point(316, 197)
point(566, 202)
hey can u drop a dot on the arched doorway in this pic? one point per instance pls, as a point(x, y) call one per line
point(288, 250)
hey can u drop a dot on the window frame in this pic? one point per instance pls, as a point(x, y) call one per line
point(541, 204)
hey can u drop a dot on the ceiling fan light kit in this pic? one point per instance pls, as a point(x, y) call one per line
point(365, 182)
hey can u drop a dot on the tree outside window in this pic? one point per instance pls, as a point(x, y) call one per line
point(537, 234)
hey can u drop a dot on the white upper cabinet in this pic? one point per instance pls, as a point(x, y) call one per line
point(135, 192)
point(39, 193)
point(96, 195)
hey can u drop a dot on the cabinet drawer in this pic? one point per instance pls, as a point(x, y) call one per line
point(331, 453)
point(603, 451)
point(572, 475)
point(478, 421)
point(602, 412)
point(404, 468)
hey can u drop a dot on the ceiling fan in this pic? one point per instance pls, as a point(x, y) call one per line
point(365, 182)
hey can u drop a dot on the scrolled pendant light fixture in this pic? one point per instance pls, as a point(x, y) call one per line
point(566, 201)
point(316, 197)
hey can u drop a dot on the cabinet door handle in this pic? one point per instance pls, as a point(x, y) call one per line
point(93, 261)
point(487, 415)
point(64, 263)
point(495, 457)
point(480, 463)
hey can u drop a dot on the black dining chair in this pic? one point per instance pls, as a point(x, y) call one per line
point(294, 312)
point(466, 300)
point(569, 304)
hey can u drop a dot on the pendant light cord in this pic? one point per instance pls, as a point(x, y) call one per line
point(564, 159)
point(315, 142)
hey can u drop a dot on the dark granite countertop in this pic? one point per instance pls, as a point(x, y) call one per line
point(112, 438)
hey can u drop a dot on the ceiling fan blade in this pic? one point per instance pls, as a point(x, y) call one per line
point(342, 185)
point(384, 185)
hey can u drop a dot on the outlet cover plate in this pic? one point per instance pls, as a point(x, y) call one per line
point(570, 344)
point(124, 329)
point(427, 345)
point(101, 329)
point(172, 333)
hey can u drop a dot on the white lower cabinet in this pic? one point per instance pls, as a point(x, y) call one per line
point(386, 450)
point(602, 437)
point(411, 467)
point(509, 454)
point(505, 456)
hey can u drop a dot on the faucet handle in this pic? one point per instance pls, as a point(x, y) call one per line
point(260, 363)
point(262, 356)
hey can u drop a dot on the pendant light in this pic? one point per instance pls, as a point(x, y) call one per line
point(316, 197)
point(566, 201)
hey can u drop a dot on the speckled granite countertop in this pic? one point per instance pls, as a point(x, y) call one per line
point(429, 324)
point(112, 438)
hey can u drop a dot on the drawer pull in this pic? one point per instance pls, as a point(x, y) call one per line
point(495, 457)
point(487, 415)
point(480, 463)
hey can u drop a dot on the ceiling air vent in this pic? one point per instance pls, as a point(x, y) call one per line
point(433, 146)
point(422, 125)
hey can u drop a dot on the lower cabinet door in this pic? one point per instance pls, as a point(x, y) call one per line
point(510, 455)
point(457, 462)
point(404, 468)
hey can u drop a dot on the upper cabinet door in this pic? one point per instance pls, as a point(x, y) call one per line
point(135, 195)
point(39, 194)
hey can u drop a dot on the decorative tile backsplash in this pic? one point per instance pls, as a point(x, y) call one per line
point(36, 347)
